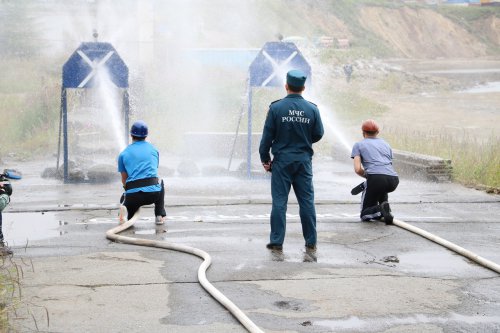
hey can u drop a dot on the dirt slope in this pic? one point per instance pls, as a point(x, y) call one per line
point(491, 29)
point(422, 33)
point(411, 32)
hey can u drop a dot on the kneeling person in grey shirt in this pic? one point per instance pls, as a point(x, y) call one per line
point(373, 160)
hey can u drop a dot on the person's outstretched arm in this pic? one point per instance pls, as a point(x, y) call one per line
point(358, 167)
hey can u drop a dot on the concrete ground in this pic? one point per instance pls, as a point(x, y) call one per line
point(365, 277)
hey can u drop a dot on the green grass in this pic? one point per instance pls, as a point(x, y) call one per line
point(30, 123)
point(351, 106)
point(338, 56)
point(391, 83)
point(12, 304)
point(474, 161)
point(29, 106)
point(465, 15)
point(9, 288)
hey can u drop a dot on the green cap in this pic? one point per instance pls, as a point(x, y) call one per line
point(296, 78)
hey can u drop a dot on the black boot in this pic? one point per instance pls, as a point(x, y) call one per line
point(385, 209)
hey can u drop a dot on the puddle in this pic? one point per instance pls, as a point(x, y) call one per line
point(141, 222)
point(113, 220)
point(484, 88)
point(20, 228)
point(377, 324)
point(440, 262)
point(145, 232)
point(157, 231)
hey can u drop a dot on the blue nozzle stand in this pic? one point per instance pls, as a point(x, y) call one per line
point(79, 73)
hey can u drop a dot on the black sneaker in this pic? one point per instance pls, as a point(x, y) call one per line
point(358, 189)
point(385, 209)
point(277, 247)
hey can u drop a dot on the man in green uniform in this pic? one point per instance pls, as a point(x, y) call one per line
point(292, 126)
point(5, 193)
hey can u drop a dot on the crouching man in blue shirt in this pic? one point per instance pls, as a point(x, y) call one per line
point(138, 165)
point(292, 125)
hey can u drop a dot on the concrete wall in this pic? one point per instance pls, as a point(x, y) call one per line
point(220, 144)
point(421, 166)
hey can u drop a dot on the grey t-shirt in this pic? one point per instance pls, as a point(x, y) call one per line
point(376, 156)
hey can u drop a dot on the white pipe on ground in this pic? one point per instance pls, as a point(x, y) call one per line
point(112, 234)
point(460, 250)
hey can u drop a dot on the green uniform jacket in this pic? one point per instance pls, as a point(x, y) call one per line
point(292, 125)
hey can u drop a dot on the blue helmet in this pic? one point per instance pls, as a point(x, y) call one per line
point(139, 129)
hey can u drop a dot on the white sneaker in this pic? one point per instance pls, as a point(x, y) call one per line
point(122, 215)
point(159, 220)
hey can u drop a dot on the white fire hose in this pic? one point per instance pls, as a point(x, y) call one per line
point(460, 250)
point(112, 234)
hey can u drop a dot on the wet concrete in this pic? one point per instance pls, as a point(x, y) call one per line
point(87, 283)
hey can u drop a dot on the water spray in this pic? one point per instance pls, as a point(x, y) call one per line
point(332, 133)
point(108, 95)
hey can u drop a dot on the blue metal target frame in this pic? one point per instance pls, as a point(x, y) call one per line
point(269, 70)
point(79, 72)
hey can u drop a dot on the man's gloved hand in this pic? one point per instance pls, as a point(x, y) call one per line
point(267, 166)
point(6, 188)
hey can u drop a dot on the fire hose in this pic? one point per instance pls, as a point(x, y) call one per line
point(460, 250)
point(112, 234)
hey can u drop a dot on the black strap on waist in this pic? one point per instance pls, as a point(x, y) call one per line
point(141, 183)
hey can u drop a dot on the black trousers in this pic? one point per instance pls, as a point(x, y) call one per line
point(376, 191)
point(134, 201)
point(1, 233)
